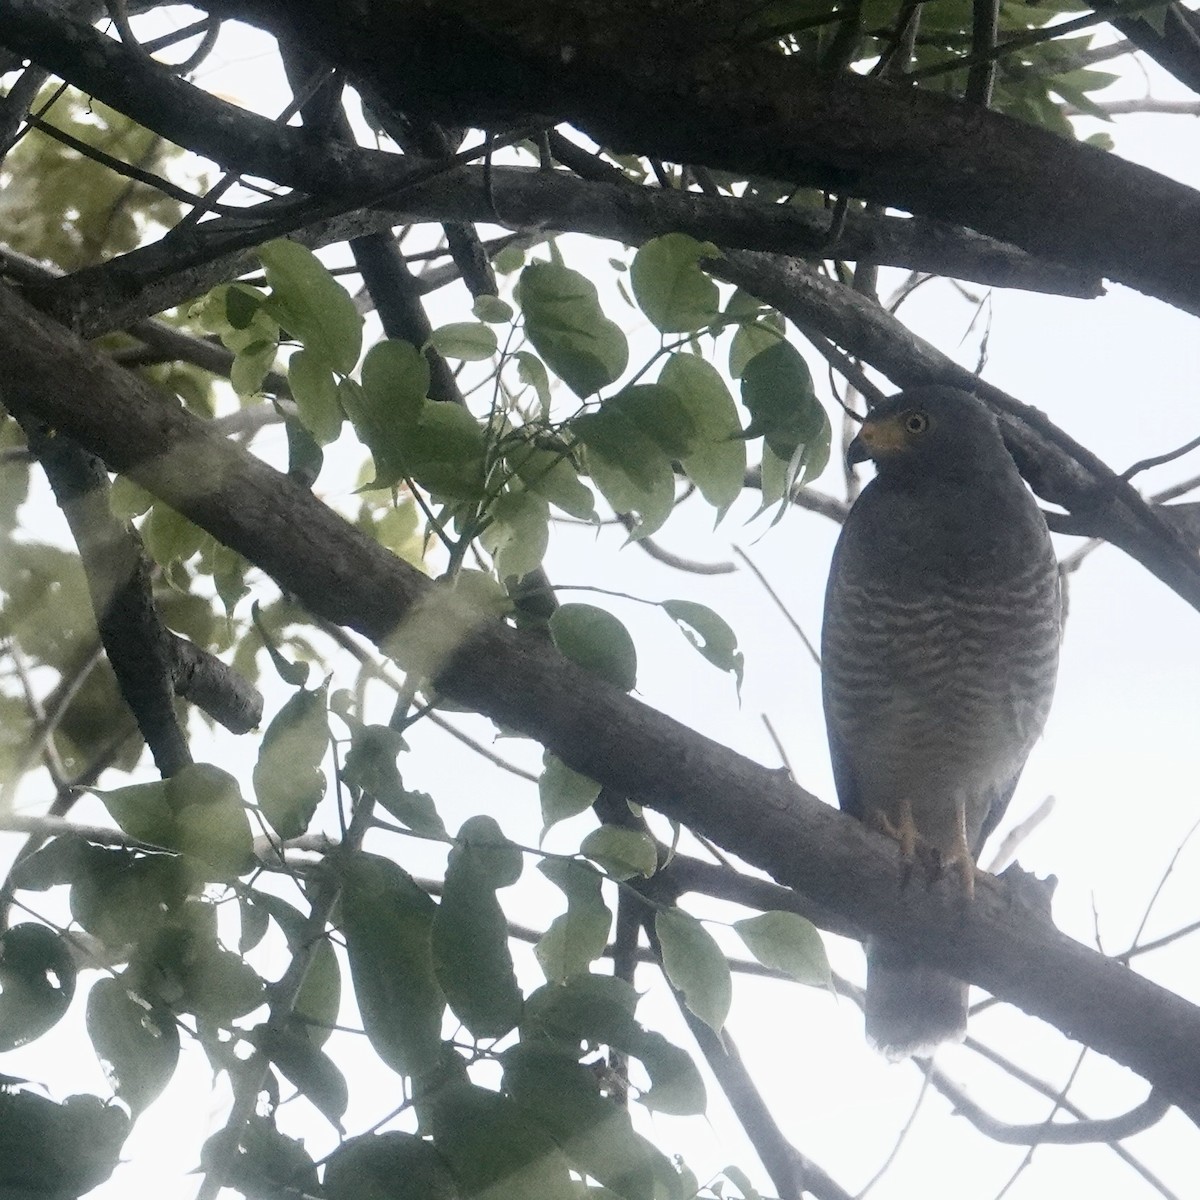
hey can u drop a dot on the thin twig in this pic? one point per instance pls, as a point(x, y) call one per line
point(901, 1138)
point(762, 579)
point(1157, 460)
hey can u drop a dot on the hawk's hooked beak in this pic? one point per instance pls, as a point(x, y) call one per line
point(857, 452)
point(876, 438)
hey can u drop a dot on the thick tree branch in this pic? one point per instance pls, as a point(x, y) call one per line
point(242, 141)
point(118, 574)
point(632, 78)
point(999, 941)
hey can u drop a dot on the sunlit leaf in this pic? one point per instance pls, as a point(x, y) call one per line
point(518, 533)
point(577, 937)
point(695, 964)
point(308, 302)
point(716, 463)
point(622, 852)
point(288, 779)
point(787, 942)
point(568, 328)
point(669, 285)
point(563, 793)
point(314, 389)
point(551, 474)
point(469, 341)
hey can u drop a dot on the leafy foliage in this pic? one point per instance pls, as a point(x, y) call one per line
point(572, 408)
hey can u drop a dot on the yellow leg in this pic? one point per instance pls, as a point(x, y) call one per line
point(961, 856)
point(903, 831)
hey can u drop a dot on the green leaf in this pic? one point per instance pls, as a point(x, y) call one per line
point(128, 499)
point(787, 942)
point(288, 779)
point(470, 934)
point(777, 390)
point(577, 937)
point(532, 372)
point(314, 389)
point(37, 981)
point(670, 287)
point(567, 327)
point(388, 921)
point(255, 921)
point(519, 532)
point(660, 414)
point(564, 1098)
point(623, 853)
point(597, 641)
point(386, 408)
point(308, 1067)
point(695, 965)
point(293, 673)
point(137, 1043)
point(251, 366)
point(219, 986)
point(551, 474)
point(371, 765)
point(54, 1151)
point(749, 341)
point(387, 1166)
point(198, 811)
point(124, 898)
point(169, 536)
point(320, 997)
point(446, 452)
point(307, 301)
point(492, 309)
point(717, 461)
point(563, 793)
point(741, 1181)
point(510, 259)
point(598, 1010)
point(469, 341)
point(631, 470)
point(261, 1162)
point(494, 1150)
point(709, 633)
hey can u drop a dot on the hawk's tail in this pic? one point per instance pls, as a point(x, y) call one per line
point(911, 1008)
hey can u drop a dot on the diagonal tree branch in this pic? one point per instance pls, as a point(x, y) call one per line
point(1000, 941)
point(1058, 468)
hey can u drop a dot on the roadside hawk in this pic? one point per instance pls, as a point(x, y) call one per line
point(940, 651)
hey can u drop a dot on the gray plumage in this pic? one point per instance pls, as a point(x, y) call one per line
point(940, 652)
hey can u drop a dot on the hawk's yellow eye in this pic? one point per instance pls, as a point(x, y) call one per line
point(916, 422)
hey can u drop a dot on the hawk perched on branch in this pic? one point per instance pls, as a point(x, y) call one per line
point(940, 651)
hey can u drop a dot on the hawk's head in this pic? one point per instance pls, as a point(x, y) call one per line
point(931, 431)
